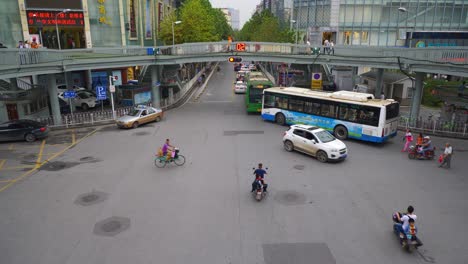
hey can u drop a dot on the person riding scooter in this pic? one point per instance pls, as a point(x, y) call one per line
point(259, 176)
point(426, 145)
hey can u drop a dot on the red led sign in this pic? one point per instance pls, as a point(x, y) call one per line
point(47, 18)
point(240, 46)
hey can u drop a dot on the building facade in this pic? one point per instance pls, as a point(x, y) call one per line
point(232, 17)
point(85, 24)
point(411, 23)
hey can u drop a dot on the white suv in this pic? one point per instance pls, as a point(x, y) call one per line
point(314, 141)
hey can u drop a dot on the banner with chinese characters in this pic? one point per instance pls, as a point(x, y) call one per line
point(47, 18)
point(102, 16)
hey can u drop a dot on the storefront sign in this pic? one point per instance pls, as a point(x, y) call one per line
point(53, 4)
point(47, 18)
point(103, 19)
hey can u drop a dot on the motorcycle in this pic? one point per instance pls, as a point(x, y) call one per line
point(408, 242)
point(414, 154)
point(260, 188)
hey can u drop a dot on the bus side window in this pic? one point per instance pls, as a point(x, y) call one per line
point(282, 102)
point(312, 108)
point(328, 109)
point(269, 101)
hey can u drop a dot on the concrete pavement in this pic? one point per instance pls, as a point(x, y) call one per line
point(202, 212)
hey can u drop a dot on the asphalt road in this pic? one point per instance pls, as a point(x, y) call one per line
point(203, 212)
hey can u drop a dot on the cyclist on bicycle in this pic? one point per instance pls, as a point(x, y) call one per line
point(168, 149)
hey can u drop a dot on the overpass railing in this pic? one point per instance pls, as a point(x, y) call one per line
point(430, 55)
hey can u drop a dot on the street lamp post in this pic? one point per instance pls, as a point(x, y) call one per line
point(297, 29)
point(173, 41)
point(56, 26)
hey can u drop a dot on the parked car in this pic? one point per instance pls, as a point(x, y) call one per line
point(314, 141)
point(63, 88)
point(240, 87)
point(24, 129)
point(83, 99)
point(140, 115)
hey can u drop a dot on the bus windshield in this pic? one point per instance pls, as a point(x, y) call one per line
point(255, 94)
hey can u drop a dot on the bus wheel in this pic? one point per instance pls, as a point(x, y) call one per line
point(340, 132)
point(280, 119)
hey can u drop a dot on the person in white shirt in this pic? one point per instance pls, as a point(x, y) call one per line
point(447, 156)
point(403, 219)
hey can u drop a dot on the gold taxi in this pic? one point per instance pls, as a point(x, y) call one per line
point(138, 116)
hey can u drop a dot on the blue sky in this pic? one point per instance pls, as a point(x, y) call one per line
point(245, 7)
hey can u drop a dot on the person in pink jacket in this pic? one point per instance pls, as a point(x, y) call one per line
point(408, 139)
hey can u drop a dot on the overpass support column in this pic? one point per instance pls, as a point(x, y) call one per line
point(53, 99)
point(379, 83)
point(417, 96)
point(155, 92)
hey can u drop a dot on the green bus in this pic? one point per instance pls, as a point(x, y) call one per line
point(253, 97)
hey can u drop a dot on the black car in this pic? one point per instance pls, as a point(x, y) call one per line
point(28, 130)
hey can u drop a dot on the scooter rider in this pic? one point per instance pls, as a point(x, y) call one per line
point(259, 176)
point(426, 145)
point(403, 220)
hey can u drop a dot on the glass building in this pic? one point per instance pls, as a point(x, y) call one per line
point(86, 24)
point(414, 23)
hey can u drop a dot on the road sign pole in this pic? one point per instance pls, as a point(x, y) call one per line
point(112, 104)
point(71, 107)
point(112, 90)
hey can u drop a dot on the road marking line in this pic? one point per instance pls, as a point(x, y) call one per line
point(2, 162)
point(24, 175)
point(5, 181)
point(39, 156)
point(73, 136)
point(11, 146)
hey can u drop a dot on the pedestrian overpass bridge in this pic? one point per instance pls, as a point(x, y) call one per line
point(439, 60)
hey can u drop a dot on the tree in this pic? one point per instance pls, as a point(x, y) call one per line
point(198, 21)
point(265, 26)
point(165, 34)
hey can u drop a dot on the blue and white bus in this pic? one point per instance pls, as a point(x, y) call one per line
point(346, 114)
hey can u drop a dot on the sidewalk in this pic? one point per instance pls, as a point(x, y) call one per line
point(424, 112)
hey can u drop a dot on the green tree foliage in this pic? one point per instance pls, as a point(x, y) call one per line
point(165, 34)
point(200, 23)
point(265, 27)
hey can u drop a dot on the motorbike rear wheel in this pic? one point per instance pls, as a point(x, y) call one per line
point(411, 155)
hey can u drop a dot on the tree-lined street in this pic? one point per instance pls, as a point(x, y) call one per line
point(203, 212)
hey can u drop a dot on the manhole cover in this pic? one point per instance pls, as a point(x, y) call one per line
point(57, 165)
point(290, 198)
point(89, 159)
point(91, 198)
point(86, 159)
point(299, 167)
point(111, 226)
point(141, 133)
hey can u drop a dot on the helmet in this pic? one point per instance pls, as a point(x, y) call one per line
point(427, 137)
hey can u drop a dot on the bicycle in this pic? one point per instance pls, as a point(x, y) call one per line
point(161, 161)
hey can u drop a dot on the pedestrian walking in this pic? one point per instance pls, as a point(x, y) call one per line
point(332, 47)
point(326, 48)
point(308, 47)
point(461, 88)
point(447, 156)
point(408, 139)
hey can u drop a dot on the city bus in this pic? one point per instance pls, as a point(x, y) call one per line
point(256, 82)
point(344, 113)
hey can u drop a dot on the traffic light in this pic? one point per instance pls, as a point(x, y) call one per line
point(315, 51)
point(235, 59)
